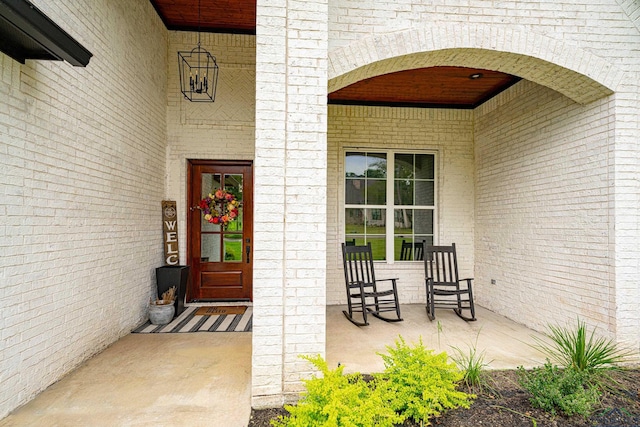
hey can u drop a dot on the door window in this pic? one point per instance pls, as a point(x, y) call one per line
point(222, 243)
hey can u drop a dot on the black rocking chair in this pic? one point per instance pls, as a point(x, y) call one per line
point(364, 293)
point(444, 289)
point(411, 251)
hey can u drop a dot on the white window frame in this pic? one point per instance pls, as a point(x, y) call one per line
point(389, 207)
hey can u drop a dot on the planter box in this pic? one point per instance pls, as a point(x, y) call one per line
point(173, 275)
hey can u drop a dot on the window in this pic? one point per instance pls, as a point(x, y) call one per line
point(389, 198)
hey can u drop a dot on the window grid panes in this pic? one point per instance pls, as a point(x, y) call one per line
point(220, 244)
point(398, 211)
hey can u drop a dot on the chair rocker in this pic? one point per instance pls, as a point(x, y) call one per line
point(365, 294)
point(444, 288)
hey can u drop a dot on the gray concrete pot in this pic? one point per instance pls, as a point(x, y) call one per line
point(161, 314)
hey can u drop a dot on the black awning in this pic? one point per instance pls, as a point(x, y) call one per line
point(27, 33)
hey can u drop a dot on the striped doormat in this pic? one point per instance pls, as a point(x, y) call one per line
point(189, 321)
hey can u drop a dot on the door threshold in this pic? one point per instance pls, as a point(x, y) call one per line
point(217, 303)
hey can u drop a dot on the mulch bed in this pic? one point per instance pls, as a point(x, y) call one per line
point(505, 404)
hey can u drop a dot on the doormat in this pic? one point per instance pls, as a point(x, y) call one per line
point(190, 321)
point(223, 309)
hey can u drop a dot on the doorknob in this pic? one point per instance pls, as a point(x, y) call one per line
point(248, 249)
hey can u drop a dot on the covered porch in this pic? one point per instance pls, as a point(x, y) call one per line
point(205, 378)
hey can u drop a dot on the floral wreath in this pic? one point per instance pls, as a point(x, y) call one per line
point(220, 207)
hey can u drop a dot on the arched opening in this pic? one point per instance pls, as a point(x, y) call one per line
point(522, 179)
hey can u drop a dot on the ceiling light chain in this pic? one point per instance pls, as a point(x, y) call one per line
point(202, 71)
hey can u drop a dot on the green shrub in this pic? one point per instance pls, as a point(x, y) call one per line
point(420, 384)
point(571, 348)
point(416, 383)
point(567, 390)
point(338, 400)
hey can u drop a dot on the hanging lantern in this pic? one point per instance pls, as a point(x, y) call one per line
point(198, 72)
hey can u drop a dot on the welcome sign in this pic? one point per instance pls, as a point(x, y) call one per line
point(170, 231)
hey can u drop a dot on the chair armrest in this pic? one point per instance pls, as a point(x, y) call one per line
point(468, 280)
point(392, 280)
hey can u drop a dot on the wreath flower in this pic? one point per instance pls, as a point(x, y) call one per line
point(221, 207)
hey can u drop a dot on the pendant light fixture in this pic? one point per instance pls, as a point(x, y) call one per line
point(198, 72)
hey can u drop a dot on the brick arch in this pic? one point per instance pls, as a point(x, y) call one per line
point(565, 68)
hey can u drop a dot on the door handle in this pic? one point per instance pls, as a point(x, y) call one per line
point(248, 249)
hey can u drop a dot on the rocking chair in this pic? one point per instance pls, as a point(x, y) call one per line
point(444, 289)
point(364, 295)
point(411, 251)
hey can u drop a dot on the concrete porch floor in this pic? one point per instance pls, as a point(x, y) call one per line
point(204, 379)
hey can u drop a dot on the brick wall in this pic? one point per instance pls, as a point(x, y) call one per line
point(606, 27)
point(223, 130)
point(448, 133)
point(543, 208)
point(81, 180)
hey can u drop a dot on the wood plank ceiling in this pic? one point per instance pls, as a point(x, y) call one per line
point(435, 87)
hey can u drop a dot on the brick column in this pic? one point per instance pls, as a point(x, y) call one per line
point(290, 195)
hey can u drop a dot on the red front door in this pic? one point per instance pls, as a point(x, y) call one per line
point(220, 256)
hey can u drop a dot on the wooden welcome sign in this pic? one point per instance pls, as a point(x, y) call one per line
point(170, 231)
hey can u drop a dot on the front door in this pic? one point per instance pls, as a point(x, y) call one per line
point(220, 255)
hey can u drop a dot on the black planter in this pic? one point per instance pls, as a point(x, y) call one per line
point(173, 275)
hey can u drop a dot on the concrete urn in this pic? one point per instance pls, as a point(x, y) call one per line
point(161, 314)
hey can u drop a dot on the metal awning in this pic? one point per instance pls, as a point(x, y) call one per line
point(27, 33)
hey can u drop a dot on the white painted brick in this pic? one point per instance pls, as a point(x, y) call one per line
point(83, 151)
point(92, 157)
point(302, 97)
point(542, 209)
